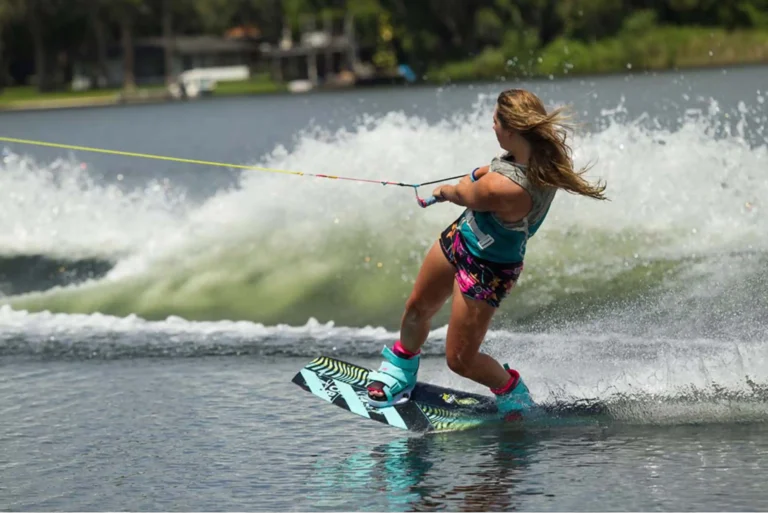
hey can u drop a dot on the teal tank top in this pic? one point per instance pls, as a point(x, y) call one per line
point(488, 237)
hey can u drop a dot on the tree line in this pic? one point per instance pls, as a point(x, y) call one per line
point(425, 34)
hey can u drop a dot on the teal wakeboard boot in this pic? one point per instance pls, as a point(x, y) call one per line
point(394, 380)
point(515, 398)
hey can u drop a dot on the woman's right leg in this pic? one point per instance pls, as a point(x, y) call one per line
point(433, 287)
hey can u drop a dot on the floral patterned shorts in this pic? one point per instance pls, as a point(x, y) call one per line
point(477, 278)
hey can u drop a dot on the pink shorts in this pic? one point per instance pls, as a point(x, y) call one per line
point(478, 279)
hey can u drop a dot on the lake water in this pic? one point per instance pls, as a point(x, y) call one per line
point(152, 314)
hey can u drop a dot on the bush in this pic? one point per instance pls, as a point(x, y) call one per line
point(654, 49)
point(639, 47)
point(489, 64)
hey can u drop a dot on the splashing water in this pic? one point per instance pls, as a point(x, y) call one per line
point(685, 211)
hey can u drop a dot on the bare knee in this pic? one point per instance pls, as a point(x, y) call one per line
point(459, 363)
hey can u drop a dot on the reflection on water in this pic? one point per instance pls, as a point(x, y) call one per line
point(480, 470)
point(586, 468)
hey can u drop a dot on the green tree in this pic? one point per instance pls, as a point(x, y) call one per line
point(590, 20)
point(9, 10)
point(55, 26)
point(168, 40)
point(754, 12)
point(215, 16)
point(126, 13)
point(99, 28)
point(35, 15)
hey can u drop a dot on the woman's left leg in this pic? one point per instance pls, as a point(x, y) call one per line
point(467, 327)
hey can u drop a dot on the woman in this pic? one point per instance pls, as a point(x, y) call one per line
point(479, 257)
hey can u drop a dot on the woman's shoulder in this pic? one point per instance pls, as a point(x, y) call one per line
point(505, 164)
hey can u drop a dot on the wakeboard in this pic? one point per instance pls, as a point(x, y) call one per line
point(431, 408)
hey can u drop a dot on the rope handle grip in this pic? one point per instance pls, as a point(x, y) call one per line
point(425, 202)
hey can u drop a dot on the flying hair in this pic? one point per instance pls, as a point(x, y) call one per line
point(551, 162)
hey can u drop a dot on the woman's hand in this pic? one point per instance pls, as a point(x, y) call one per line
point(438, 193)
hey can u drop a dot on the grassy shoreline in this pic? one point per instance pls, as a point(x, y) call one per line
point(28, 98)
point(636, 49)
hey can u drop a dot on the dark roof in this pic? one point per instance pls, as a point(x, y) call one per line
point(337, 44)
point(201, 44)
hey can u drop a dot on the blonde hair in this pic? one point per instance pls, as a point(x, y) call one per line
point(551, 164)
